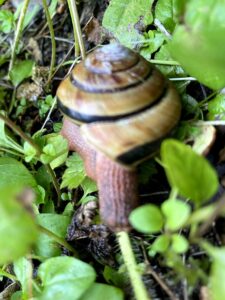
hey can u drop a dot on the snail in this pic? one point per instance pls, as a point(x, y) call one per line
point(118, 107)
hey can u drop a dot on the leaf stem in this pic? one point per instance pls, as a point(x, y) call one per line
point(218, 210)
point(132, 267)
point(58, 239)
point(52, 35)
point(18, 33)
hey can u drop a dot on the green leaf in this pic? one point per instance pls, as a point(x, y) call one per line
point(201, 30)
point(97, 290)
point(23, 270)
point(89, 186)
point(56, 150)
point(115, 277)
point(165, 13)
point(161, 244)
point(13, 172)
point(126, 19)
point(6, 141)
point(216, 108)
point(147, 219)
point(153, 41)
point(18, 231)
point(65, 278)
point(20, 71)
point(46, 246)
point(176, 213)
point(217, 272)
point(179, 243)
point(74, 174)
point(6, 21)
point(29, 152)
point(189, 172)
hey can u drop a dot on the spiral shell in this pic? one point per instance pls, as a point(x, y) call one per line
point(127, 104)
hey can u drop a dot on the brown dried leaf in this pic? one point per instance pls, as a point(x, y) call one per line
point(94, 31)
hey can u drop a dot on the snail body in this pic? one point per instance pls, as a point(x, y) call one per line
point(124, 107)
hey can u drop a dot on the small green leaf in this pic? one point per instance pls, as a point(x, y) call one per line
point(165, 12)
point(29, 152)
point(161, 244)
point(89, 186)
point(147, 219)
point(6, 141)
point(23, 270)
point(179, 243)
point(55, 151)
point(65, 278)
point(20, 71)
point(216, 108)
point(46, 246)
point(13, 172)
point(217, 271)
point(74, 174)
point(97, 290)
point(126, 19)
point(153, 41)
point(18, 231)
point(176, 213)
point(6, 21)
point(189, 172)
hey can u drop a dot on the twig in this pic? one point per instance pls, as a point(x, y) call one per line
point(132, 267)
point(49, 114)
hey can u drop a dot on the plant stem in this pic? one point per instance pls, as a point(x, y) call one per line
point(58, 239)
point(164, 62)
point(18, 33)
point(12, 101)
point(132, 267)
point(54, 181)
point(51, 30)
point(76, 27)
point(8, 275)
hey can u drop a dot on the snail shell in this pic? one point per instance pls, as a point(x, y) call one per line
point(124, 104)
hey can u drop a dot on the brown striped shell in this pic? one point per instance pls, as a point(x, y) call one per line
point(127, 104)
